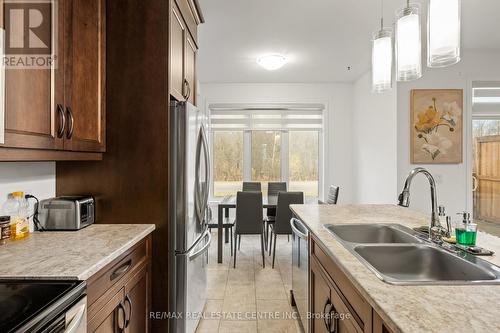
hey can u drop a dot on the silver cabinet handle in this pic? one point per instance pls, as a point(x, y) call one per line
point(127, 319)
point(121, 325)
point(194, 255)
point(62, 122)
point(121, 270)
point(74, 324)
point(188, 92)
point(71, 127)
point(295, 230)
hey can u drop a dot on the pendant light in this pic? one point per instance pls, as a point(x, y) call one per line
point(443, 33)
point(408, 43)
point(382, 58)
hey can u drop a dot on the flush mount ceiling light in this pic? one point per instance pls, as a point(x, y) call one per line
point(272, 62)
point(408, 43)
point(382, 58)
point(443, 33)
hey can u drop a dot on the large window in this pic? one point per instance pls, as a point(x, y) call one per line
point(303, 162)
point(266, 156)
point(227, 162)
point(271, 143)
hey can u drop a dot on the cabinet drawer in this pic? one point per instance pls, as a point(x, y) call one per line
point(115, 272)
point(356, 305)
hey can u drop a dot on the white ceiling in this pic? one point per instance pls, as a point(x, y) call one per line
point(321, 38)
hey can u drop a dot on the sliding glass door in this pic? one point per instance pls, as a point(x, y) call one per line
point(486, 156)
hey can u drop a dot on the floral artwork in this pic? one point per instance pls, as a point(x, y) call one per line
point(436, 126)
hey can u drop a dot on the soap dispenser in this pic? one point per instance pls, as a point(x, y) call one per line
point(466, 231)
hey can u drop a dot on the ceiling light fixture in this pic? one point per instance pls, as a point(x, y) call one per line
point(408, 43)
point(443, 33)
point(272, 62)
point(382, 57)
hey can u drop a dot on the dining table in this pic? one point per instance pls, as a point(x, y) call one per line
point(227, 203)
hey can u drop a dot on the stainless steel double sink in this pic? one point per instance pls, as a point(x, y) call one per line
point(400, 255)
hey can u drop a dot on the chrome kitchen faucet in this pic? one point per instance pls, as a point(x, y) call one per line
point(436, 230)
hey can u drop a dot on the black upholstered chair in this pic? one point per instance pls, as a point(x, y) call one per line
point(252, 186)
point(249, 218)
point(273, 189)
point(227, 224)
point(283, 215)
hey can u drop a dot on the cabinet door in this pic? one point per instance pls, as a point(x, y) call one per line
point(108, 318)
point(190, 68)
point(34, 98)
point(85, 75)
point(177, 39)
point(137, 302)
point(320, 299)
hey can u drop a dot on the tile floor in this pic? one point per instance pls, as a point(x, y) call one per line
point(250, 298)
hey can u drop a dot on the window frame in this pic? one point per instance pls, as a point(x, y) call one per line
point(285, 156)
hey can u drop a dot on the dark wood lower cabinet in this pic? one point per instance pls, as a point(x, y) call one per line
point(106, 321)
point(136, 302)
point(336, 306)
point(119, 294)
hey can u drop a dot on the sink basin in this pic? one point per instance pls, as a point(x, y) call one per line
point(425, 264)
point(373, 233)
point(400, 255)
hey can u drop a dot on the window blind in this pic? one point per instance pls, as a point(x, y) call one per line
point(266, 116)
point(486, 99)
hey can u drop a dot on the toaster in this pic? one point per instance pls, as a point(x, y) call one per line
point(66, 212)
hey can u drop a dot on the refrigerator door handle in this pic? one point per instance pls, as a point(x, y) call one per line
point(194, 255)
point(207, 166)
point(197, 195)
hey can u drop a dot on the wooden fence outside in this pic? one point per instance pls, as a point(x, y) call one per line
point(487, 182)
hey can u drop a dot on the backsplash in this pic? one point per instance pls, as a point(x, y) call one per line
point(36, 178)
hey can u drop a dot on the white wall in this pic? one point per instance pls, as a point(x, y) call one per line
point(453, 180)
point(338, 99)
point(374, 135)
point(31, 177)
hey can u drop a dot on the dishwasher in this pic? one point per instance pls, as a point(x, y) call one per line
point(300, 271)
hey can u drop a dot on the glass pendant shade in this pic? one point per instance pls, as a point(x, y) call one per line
point(443, 33)
point(408, 44)
point(382, 60)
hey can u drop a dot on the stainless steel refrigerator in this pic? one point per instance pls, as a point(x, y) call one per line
point(190, 238)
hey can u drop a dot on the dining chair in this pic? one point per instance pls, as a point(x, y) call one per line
point(283, 215)
point(249, 218)
point(273, 188)
point(333, 195)
point(251, 186)
point(227, 224)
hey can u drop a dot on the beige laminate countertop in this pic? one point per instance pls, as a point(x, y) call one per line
point(69, 255)
point(412, 309)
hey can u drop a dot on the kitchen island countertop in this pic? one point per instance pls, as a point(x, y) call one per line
point(68, 255)
point(410, 308)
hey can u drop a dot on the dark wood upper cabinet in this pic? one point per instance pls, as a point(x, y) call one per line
point(85, 75)
point(190, 53)
point(177, 38)
point(34, 101)
point(183, 51)
point(51, 111)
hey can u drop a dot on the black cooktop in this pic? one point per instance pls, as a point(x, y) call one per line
point(22, 301)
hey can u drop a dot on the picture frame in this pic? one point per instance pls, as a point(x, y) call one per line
point(436, 126)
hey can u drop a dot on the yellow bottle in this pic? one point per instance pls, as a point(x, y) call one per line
point(17, 208)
